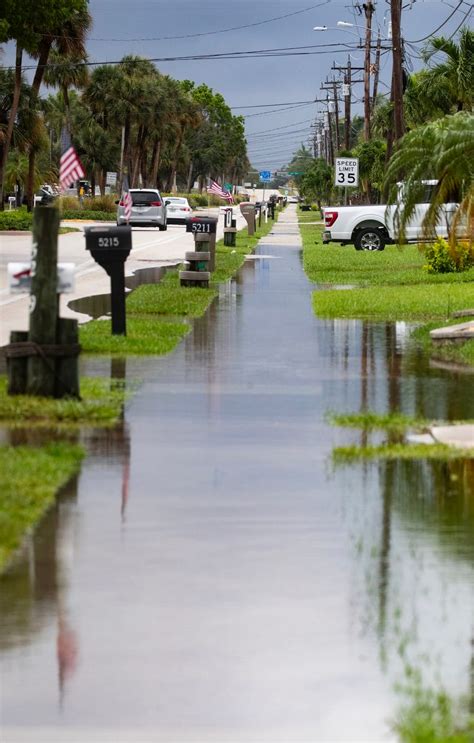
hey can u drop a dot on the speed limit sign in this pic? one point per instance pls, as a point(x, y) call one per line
point(347, 171)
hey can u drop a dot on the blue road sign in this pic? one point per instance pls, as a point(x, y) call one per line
point(265, 175)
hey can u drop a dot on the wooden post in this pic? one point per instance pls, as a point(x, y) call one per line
point(43, 298)
point(17, 366)
point(67, 368)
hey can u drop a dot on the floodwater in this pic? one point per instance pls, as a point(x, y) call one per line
point(210, 575)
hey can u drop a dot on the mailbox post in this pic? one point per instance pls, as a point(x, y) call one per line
point(110, 248)
point(230, 227)
point(203, 260)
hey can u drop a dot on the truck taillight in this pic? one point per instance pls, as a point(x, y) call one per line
point(330, 218)
point(155, 203)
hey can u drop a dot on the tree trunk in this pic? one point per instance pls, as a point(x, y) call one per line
point(93, 182)
point(30, 180)
point(11, 120)
point(190, 176)
point(172, 178)
point(155, 163)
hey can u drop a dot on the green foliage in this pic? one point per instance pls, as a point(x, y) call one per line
point(371, 156)
point(455, 352)
point(29, 480)
point(442, 150)
point(316, 184)
point(442, 258)
point(88, 214)
point(100, 404)
point(19, 219)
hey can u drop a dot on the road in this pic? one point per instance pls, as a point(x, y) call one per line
point(151, 248)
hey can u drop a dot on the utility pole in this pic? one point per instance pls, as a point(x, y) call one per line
point(368, 11)
point(397, 70)
point(332, 86)
point(347, 90)
point(347, 104)
point(376, 69)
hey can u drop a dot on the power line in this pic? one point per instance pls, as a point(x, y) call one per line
point(417, 41)
point(248, 54)
point(264, 131)
point(207, 33)
point(268, 105)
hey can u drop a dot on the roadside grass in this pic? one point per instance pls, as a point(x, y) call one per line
point(352, 453)
point(312, 216)
point(65, 230)
point(169, 298)
point(29, 480)
point(461, 352)
point(370, 421)
point(145, 335)
point(101, 405)
point(343, 265)
point(152, 309)
point(424, 302)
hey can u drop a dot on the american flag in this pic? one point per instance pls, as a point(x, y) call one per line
point(219, 191)
point(126, 200)
point(70, 167)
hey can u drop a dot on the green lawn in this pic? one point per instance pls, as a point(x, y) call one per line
point(101, 404)
point(29, 480)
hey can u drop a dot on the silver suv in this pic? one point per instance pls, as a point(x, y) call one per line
point(148, 208)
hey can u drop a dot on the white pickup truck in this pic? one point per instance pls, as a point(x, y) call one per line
point(372, 227)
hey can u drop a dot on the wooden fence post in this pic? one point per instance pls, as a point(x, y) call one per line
point(43, 299)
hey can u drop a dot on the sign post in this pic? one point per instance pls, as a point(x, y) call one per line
point(346, 173)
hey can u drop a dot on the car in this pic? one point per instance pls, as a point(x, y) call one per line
point(178, 209)
point(148, 208)
point(293, 200)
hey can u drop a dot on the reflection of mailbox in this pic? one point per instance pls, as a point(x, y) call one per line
point(110, 248)
point(202, 225)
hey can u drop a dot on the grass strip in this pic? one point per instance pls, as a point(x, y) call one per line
point(29, 480)
point(353, 453)
point(145, 335)
point(394, 302)
point(461, 352)
point(343, 265)
point(101, 405)
point(169, 298)
point(369, 421)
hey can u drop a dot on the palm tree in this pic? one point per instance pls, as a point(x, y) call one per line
point(442, 150)
point(451, 82)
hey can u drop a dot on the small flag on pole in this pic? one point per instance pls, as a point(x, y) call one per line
point(70, 167)
point(217, 190)
point(126, 201)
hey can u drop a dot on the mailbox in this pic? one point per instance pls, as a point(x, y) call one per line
point(202, 225)
point(109, 244)
point(110, 248)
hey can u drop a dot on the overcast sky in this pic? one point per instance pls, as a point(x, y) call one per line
point(137, 27)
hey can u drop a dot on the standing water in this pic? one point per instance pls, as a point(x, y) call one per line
point(211, 576)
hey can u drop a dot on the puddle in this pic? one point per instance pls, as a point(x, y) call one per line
point(210, 575)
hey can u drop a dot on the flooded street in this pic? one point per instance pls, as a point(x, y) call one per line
point(212, 576)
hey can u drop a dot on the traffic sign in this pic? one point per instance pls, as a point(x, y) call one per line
point(265, 175)
point(346, 171)
point(295, 173)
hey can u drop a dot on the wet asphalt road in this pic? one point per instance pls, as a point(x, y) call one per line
point(210, 576)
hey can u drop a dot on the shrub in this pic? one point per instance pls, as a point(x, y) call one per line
point(19, 219)
point(441, 258)
point(69, 203)
point(88, 214)
point(101, 204)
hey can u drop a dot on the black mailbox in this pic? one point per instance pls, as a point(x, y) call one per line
point(202, 225)
point(110, 248)
point(109, 244)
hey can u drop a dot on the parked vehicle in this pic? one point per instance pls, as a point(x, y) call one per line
point(178, 209)
point(372, 227)
point(148, 208)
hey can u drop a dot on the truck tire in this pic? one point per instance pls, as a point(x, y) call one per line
point(370, 238)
